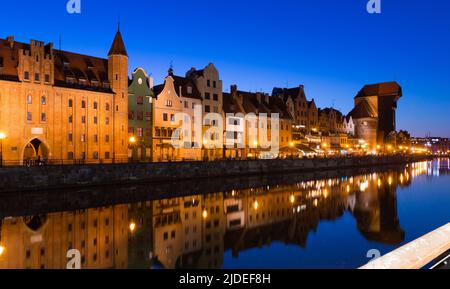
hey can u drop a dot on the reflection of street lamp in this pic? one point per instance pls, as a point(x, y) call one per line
point(205, 214)
point(2, 250)
point(2, 137)
point(292, 147)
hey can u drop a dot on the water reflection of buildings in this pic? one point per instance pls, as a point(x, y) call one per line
point(194, 231)
point(36, 242)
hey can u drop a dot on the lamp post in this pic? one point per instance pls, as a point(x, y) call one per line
point(132, 141)
point(255, 143)
point(292, 149)
point(2, 137)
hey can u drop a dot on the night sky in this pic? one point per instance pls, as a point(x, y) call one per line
point(333, 47)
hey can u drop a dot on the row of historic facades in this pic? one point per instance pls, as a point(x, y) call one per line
point(63, 106)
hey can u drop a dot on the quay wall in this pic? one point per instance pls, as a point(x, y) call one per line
point(18, 179)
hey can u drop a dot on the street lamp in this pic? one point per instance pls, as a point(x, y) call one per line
point(132, 227)
point(2, 137)
point(132, 141)
point(2, 250)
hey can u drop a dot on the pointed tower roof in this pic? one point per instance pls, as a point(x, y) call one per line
point(118, 47)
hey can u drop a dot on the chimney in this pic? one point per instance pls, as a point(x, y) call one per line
point(233, 89)
point(10, 39)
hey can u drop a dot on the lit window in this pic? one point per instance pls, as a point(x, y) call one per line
point(43, 100)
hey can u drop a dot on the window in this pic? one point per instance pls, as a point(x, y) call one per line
point(186, 104)
point(172, 117)
point(83, 155)
point(29, 116)
point(107, 156)
point(29, 99)
point(95, 105)
point(148, 131)
point(70, 137)
point(71, 119)
point(107, 120)
point(95, 138)
point(36, 77)
point(83, 119)
point(189, 89)
point(1, 61)
point(208, 83)
point(207, 95)
point(83, 138)
point(131, 130)
point(70, 103)
point(131, 115)
point(95, 155)
point(214, 84)
point(215, 97)
point(148, 116)
point(169, 103)
point(107, 138)
point(140, 100)
point(47, 78)
point(70, 155)
point(207, 108)
point(139, 132)
point(107, 106)
point(26, 75)
point(95, 120)
point(140, 115)
point(165, 117)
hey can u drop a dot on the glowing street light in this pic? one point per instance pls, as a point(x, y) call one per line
point(132, 227)
point(132, 140)
point(2, 250)
point(255, 205)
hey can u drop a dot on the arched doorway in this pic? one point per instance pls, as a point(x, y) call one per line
point(35, 150)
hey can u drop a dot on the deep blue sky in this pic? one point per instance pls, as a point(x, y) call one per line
point(333, 47)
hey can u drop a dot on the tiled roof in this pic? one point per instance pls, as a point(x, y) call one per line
point(230, 105)
point(184, 83)
point(66, 65)
point(363, 110)
point(118, 47)
point(381, 89)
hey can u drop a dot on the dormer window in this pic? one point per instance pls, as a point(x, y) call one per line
point(70, 80)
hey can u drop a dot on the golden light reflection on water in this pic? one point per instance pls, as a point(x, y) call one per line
point(195, 231)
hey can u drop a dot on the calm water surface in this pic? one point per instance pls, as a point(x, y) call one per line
point(324, 223)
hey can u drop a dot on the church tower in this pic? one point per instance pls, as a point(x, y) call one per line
point(118, 77)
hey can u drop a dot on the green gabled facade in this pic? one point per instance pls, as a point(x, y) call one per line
point(140, 116)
